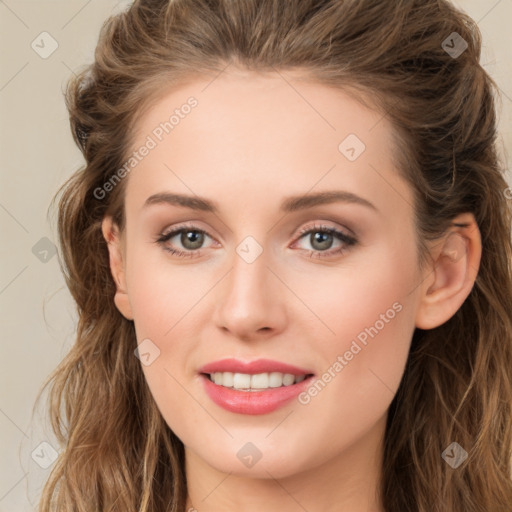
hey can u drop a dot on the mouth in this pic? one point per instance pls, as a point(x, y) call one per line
point(258, 382)
point(254, 394)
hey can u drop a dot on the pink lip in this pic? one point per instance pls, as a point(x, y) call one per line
point(252, 367)
point(252, 402)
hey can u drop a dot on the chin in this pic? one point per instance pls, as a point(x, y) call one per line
point(256, 459)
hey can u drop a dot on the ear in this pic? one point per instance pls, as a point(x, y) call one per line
point(116, 249)
point(456, 262)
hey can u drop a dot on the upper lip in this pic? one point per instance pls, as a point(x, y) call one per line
point(252, 367)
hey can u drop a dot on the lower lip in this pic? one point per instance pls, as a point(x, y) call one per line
point(253, 402)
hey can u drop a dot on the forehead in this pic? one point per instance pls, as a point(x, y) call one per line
point(262, 130)
point(265, 102)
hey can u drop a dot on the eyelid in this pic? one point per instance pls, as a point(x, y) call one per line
point(324, 227)
point(167, 234)
point(177, 229)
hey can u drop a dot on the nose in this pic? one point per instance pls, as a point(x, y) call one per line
point(250, 301)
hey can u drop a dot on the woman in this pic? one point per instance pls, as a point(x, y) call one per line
point(290, 252)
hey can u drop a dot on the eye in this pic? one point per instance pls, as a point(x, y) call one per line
point(322, 238)
point(190, 237)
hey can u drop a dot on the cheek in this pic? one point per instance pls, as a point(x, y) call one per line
point(163, 294)
point(366, 322)
point(162, 297)
point(176, 399)
point(364, 301)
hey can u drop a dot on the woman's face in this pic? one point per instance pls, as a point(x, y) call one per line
point(308, 259)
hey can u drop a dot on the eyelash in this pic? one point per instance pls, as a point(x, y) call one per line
point(347, 240)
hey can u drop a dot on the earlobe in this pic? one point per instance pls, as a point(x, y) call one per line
point(453, 276)
point(112, 237)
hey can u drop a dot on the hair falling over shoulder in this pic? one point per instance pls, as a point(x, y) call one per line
point(118, 454)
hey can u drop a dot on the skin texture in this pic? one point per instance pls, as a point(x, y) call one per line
point(251, 142)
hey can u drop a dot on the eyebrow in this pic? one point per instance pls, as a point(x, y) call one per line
point(290, 204)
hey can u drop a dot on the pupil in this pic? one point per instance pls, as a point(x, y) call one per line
point(321, 238)
point(192, 237)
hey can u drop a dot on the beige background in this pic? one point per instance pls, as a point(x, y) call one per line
point(36, 155)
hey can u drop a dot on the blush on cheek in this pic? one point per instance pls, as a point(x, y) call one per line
point(375, 334)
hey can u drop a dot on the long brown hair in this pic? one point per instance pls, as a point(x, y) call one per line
point(118, 452)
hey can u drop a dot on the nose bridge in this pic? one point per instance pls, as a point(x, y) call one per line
point(248, 280)
point(250, 298)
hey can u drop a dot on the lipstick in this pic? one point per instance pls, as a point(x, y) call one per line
point(219, 378)
point(252, 367)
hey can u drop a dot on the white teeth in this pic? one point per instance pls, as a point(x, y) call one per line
point(227, 379)
point(259, 381)
point(247, 382)
point(240, 381)
point(275, 379)
point(288, 379)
